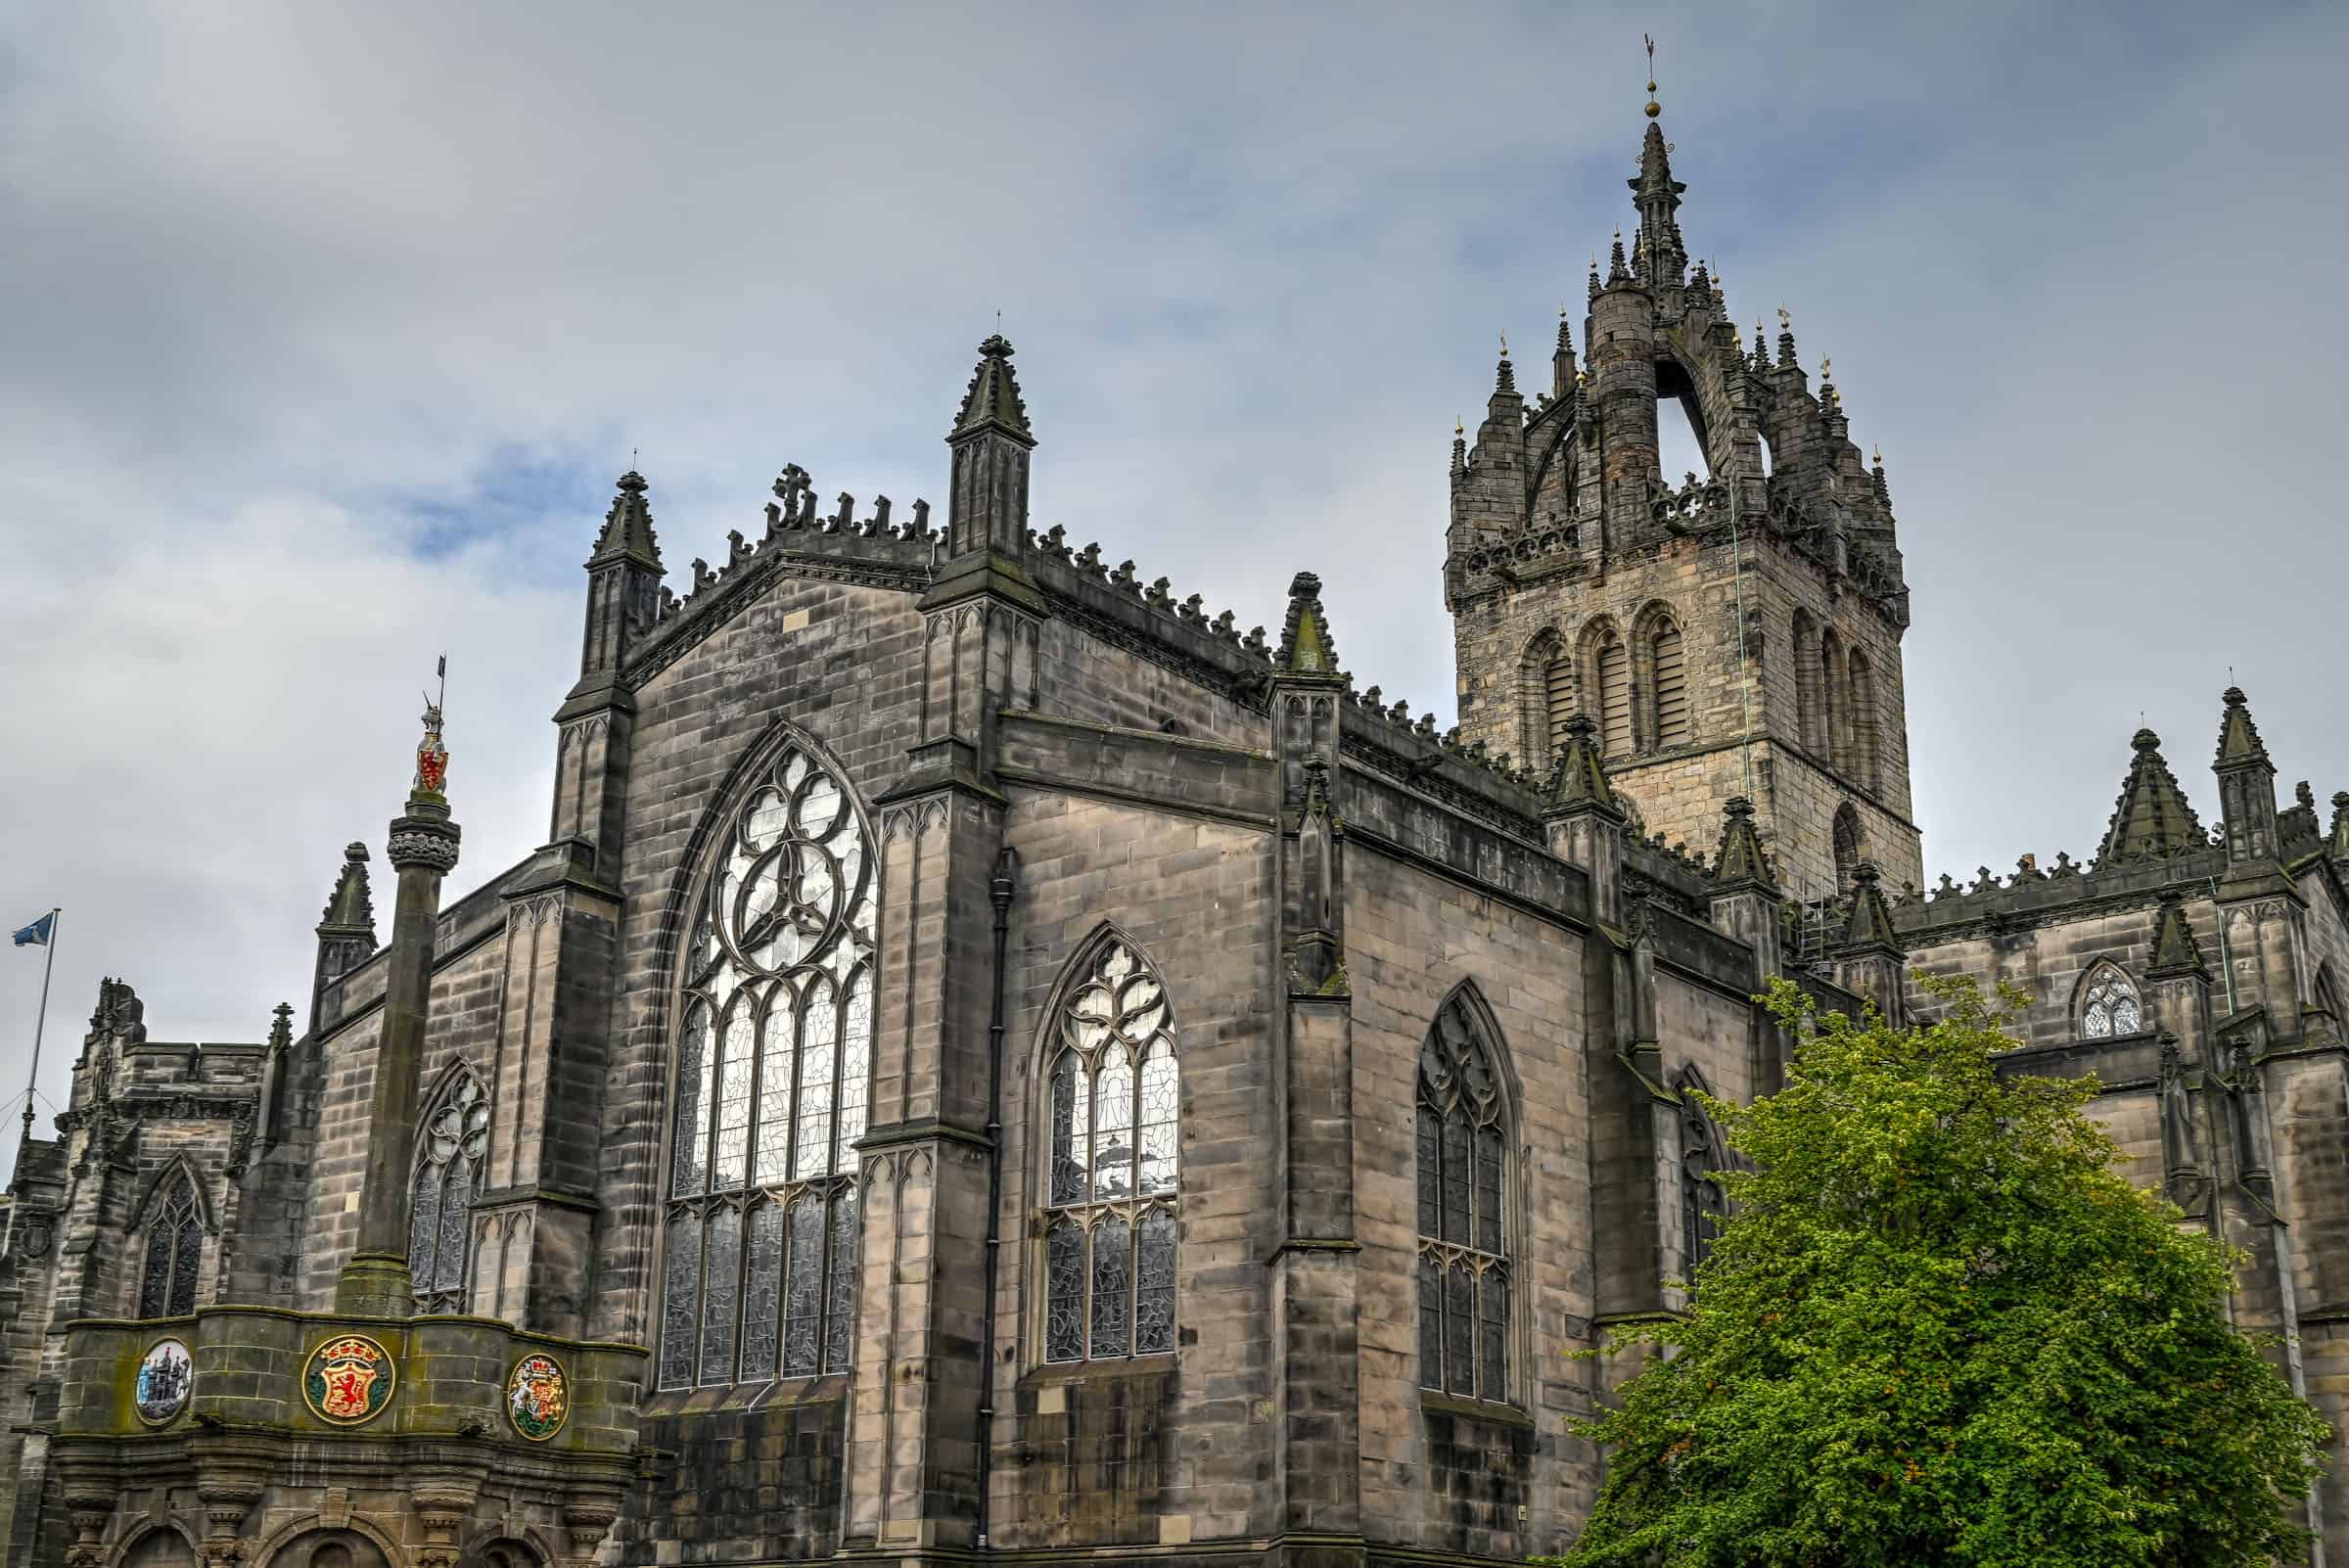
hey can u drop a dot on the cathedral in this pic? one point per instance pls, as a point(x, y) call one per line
point(994, 1062)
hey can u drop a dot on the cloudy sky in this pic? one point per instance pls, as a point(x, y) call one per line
point(329, 326)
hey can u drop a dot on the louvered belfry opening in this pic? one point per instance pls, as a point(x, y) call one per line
point(1672, 688)
point(1558, 701)
point(1615, 695)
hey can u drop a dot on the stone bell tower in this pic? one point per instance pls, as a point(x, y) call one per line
point(1734, 632)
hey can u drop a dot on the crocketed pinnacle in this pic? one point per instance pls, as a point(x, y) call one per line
point(1459, 450)
point(2238, 738)
point(1505, 374)
point(1580, 782)
point(2336, 841)
point(1869, 927)
point(2151, 821)
point(1761, 349)
point(350, 911)
point(1740, 861)
point(627, 533)
point(2175, 951)
point(1307, 651)
point(1617, 272)
point(993, 399)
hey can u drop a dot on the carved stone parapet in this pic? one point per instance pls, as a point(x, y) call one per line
point(424, 837)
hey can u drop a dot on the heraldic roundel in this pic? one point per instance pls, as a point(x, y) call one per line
point(537, 1396)
point(349, 1380)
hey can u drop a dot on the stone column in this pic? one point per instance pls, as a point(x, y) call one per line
point(375, 1282)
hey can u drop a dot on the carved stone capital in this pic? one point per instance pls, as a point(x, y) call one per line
point(223, 1552)
point(426, 841)
point(588, 1520)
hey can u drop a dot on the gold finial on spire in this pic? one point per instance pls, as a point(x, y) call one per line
point(1785, 319)
point(1827, 369)
point(1505, 346)
point(1459, 429)
point(1654, 108)
point(1877, 456)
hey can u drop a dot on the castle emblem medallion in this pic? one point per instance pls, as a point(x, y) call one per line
point(349, 1380)
point(537, 1396)
point(167, 1377)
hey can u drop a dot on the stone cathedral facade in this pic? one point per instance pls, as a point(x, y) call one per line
point(993, 1063)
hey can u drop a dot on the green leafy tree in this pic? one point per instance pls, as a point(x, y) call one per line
point(1939, 1326)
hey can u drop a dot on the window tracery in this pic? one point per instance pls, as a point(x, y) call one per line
point(773, 1060)
point(1465, 1266)
point(1113, 1107)
point(1702, 1159)
point(2109, 1005)
point(448, 1173)
point(174, 1251)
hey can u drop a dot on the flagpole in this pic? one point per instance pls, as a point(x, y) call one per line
point(56, 917)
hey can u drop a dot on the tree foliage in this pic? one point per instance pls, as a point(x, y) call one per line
point(1939, 1326)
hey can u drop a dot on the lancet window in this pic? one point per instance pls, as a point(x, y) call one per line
point(2108, 1006)
point(1702, 1159)
point(773, 1057)
point(1464, 1268)
point(174, 1250)
point(455, 1140)
point(1113, 1103)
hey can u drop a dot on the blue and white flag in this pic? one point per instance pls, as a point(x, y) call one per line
point(36, 935)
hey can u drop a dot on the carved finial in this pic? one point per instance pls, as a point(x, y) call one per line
point(1654, 108)
point(431, 756)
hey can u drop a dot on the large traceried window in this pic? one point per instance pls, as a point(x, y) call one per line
point(174, 1249)
point(2108, 1005)
point(1464, 1274)
point(774, 1050)
point(448, 1173)
point(1113, 1100)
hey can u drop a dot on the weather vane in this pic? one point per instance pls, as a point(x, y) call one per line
point(1785, 319)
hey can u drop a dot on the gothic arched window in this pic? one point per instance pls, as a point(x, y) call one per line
point(774, 1051)
point(1613, 671)
point(1464, 1274)
point(1835, 703)
point(1670, 667)
point(1702, 1158)
point(1866, 763)
point(174, 1249)
point(453, 1139)
point(1806, 683)
point(1847, 845)
point(2108, 1005)
point(1113, 1105)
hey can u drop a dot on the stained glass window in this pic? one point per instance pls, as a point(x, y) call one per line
point(2109, 1005)
point(1464, 1268)
point(453, 1140)
point(174, 1249)
point(774, 1060)
point(1113, 1101)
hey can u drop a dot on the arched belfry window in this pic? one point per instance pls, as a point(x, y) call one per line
point(453, 1139)
point(1463, 1160)
point(774, 1055)
point(1113, 1105)
point(1847, 845)
point(2108, 1005)
point(174, 1249)
point(1668, 665)
point(1612, 672)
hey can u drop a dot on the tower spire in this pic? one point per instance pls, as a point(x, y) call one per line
point(1657, 195)
point(991, 441)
